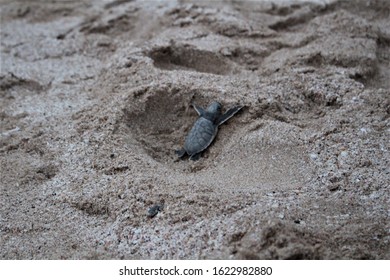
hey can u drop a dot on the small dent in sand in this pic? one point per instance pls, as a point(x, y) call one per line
point(188, 58)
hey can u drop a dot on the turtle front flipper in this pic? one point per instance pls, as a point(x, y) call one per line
point(229, 113)
point(181, 152)
point(199, 110)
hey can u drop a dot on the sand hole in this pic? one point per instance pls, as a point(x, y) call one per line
point(188, 58)
point(160, 119)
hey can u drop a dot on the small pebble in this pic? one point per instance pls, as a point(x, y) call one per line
point(313, 156)
point(364, 130)
point(344, 154)
point(153, 211)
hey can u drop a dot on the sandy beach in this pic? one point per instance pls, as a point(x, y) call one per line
point(95, 97)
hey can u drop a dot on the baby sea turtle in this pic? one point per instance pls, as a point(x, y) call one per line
point(205, 129)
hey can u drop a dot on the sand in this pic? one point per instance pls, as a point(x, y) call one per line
point(96, 97)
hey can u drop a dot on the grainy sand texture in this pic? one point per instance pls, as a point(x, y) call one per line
point(95, 97)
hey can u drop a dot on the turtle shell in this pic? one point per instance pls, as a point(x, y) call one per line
point(200, 137)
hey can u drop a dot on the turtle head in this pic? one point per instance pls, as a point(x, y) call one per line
point(214, 108)
point(214, 111)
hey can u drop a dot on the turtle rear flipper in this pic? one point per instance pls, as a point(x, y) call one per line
point(195, 157)
point(181, 152)
point(229, 113)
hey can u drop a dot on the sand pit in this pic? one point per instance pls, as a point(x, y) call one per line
point(96, 97)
